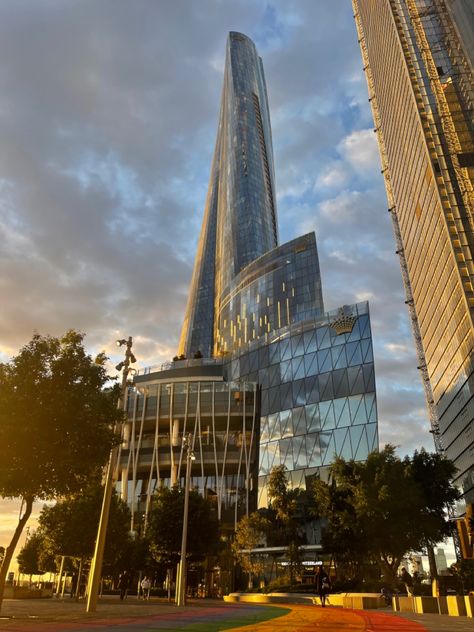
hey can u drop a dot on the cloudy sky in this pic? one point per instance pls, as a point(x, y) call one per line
point(108, 115)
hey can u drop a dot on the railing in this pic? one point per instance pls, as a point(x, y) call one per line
point(180, 364)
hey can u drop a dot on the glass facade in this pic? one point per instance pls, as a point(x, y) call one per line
point(255, 311)
point(421, 90)
point(222, 418)
point(279, 288)
point(318, 392)
point(240, 222)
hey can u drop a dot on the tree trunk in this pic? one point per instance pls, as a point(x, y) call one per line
point(12, 546)
point(432, 562)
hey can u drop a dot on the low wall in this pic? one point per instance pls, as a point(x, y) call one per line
point(358, 601)
point(23, 592)
point(452, 605)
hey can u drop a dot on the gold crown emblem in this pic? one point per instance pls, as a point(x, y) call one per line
point(344, 323)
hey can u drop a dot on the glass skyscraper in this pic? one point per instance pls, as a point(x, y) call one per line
point(264, 375)
point(418, 58)
point(240, 222)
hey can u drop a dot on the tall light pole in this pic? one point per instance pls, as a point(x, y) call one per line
point(181, 583)
point(96, 564)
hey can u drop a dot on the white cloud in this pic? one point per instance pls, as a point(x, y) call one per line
point(108, 127)
point(360, 150)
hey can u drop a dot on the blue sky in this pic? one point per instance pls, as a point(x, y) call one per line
point(108, 115)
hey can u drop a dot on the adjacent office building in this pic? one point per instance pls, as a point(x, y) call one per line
point(264, 376)
point(418, 60)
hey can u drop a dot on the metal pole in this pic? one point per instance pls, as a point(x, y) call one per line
point(96, 564)
point(182, 567)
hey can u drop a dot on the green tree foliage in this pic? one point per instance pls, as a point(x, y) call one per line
point(165, 526)
point(70, 526)
point(288, 506)
point(28, 558)
point(380, 509)
point(251, 532)
point(56, 421)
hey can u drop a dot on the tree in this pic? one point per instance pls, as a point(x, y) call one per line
point(56, 424)
point(28, 558)
point(70, 526)
point(384, 507)
point(165, 526)
point(287, 503)
point(250, 533)
point(343, 534)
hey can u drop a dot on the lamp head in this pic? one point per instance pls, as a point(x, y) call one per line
point(120, 366)
point(121, 342)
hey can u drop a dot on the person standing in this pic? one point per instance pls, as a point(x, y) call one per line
point(124, 584)
point(322, 585)
point(407, 579)
point(145, 586)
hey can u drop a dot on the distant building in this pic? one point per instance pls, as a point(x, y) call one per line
point(440, 558)
point(418, 60)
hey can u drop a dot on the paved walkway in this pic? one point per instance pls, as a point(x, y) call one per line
point(211, 616)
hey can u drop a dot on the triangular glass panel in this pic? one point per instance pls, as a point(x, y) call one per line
point(274, 399)
point(355, 333)
point(338, 357)
point(286, 423)
point(286, 454)
point(309, 338)
point(313, 450)
point(325, 386)
point(285, 349)
point(299, 421)
point(341, 411)
point(370, 407)
point(356, 380)
point(286, 372)
point(299, 452)
point(299, 395)
point(369, 379)
point(363, 448)
point(313, 421)
point(297, 346)
point(328, 448)
point(355, 402)
point(274, 426)
point(340, 383)
point(364, 326)
point(310, 364)
point(298, 368)
point(340, 435)
point(372, 437)
point(273, 450)
point(263, 469)
point(322, 337)
point(324, 360)
point(326, 410)
point(274, 353)
point(311, 385)
point(355, 433)
point(366, 347)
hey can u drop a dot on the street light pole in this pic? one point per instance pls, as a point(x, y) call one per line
point(96, 564)
point(181, 583)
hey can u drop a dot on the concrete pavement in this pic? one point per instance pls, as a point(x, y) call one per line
point(202, 615)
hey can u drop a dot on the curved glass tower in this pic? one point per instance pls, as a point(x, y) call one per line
point(240, 222)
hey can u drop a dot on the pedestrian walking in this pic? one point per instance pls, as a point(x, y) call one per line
point(124, 584)
point(322, 585)
point(145, 586)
